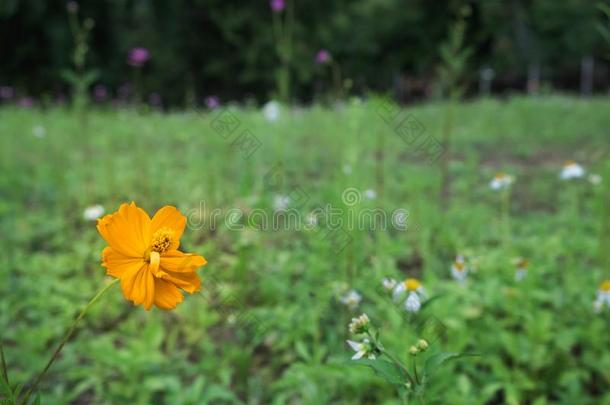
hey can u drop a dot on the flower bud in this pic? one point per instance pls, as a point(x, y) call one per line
point(413, 350)
point(422, 345)
point(359, 324)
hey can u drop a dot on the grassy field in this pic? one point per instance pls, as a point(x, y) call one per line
point(269, 326)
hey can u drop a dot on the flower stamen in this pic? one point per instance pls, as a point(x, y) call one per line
point(162, 240)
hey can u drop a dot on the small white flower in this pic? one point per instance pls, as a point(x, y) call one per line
point(521, 265)
point(501, 181)
point(409, 285)
point(399, 289)
point(415, 294)
point(93, 212)
point(597, 306)
point(459, 271)
point(352, 299)
point(370, 194)
point(602, 298)
point(359, 324)
point(363, 349)
point(595, 179)
point(389, 283)
point(571, 170)
point(271, 111)
point(281, 202)
point(413, 302)
point(39, 131)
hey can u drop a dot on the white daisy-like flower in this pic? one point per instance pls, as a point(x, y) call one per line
point(389, 283)
point(359, 324)
point(602, 298)
point(415, 294)
point(413, 302)
point(595, 179)
point(571, 170)
point(362, 349)
point(281, 202)
point(501, 181)
point(521, 265)
point(352, 299)
point(271, 111)
point(39, 131)
point(459, 271)
point(93, 212)
point(370, 194)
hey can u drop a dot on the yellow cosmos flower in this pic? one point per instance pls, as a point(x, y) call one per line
point(143, 253)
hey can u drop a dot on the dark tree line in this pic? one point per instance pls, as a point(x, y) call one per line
point(226, 47)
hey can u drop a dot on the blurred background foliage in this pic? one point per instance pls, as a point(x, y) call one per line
point(226, 47)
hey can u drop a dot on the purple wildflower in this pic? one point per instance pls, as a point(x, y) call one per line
point(212, 102)
point(26, 102)
point(138, 57)
point(322, 57)
point(277, 5)
point(100, 93)
point(6, 92)
point(72, 7)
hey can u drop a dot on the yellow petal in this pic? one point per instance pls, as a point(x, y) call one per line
point(169, 217)
point(139, 286)
point(178, 262)
point(189, 282)
point(167, 295)
point(127, 231)
point(117, 264)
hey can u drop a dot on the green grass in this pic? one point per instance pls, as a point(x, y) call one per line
point(268, 326)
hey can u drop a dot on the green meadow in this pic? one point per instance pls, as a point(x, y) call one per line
point(270, 323)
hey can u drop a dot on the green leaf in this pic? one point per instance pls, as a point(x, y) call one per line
point(386, 370)
point(69, 76)
point(301, 349)
point(435, 361)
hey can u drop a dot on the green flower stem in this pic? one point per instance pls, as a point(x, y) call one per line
point(337, 81)
point(399, 364)
point(65, 340)
point(3, 365)
point(392, 358)
point(415, 371)
point(505, 215)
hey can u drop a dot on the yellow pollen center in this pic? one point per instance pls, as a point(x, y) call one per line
point(412, 284)
point(500, 176)
point(605, 287)
point(569, 163)
point(162, 240)
point(459, 266)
